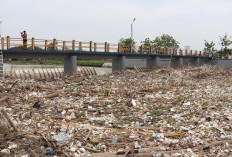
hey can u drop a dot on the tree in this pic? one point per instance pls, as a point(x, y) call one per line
point(225, 42)
point(127, 41)
point(166, 41)
point(209, 46)
point(147, 42)
point(126, 44)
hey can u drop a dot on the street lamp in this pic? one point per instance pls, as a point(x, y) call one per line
point(132, 29)
point(0, 29)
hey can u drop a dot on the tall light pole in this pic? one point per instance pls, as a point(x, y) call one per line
point(0, 29)
point(132, 29)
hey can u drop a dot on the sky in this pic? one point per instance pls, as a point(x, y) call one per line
point(189, 21)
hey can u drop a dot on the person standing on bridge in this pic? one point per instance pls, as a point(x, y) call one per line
point(24, 36)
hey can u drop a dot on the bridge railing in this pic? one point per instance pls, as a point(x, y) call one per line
point(81, 46)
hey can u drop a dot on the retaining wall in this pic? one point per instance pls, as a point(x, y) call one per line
point(226, 63)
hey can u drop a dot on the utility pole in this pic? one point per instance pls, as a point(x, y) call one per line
point(0, 29)
point(132, 29)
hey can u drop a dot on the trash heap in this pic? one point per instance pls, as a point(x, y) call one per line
point(163, 112)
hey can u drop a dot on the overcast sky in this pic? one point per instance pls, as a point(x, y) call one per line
point(189, 21)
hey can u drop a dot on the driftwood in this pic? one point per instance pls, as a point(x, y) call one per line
point(5, 99)
point(149, 152)
point(90, 149)
point(56, 94)
point(32, 153)
point(9, 120)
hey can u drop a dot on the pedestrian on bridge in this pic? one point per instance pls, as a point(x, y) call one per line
point(24, 36)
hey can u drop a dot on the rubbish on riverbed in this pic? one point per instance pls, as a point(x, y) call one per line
point(133, 102)
point(101, 116)
point(37, 105)
point(114, 140)
point(48, 151)
point(187, 104)
point(62, 137)
point(219, 130)
point(9, 120)
point(5, 151)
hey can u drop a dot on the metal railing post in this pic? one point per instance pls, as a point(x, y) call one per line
point(119, 47)
point(141, 48)
point(54, 44)
point(95, 47)
point(8, 42)
point(46, 45)
point(2, 41)
point(64, 45)
point(73, 45)
point(33, 43)
point(108, 47)
point(181, 52)
point(80, 46)
point(90, 46)
point(105, 46)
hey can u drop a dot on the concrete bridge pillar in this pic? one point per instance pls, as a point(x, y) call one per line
point(176, 62)
point(118, 63)
point(195, 61)
point(152, 62)
point(199, 61)
point(70, 64)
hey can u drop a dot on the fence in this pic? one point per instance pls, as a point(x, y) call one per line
point(80, 46)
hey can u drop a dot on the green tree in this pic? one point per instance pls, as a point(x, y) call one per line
point(127, 41)
point(225, 42)
point(166, 41)
point(147, 42)
point(209, 46)
point(126, 44)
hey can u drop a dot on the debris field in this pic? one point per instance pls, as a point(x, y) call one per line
point(178, 112)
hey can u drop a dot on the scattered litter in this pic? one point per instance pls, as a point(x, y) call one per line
point(37, 105)
point(114, 141)
point(172, 112)
point(62, 137)
point(48, 151)
point(219, 130)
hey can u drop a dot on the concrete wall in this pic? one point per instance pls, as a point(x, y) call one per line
point(129, 63)
point(226, 63)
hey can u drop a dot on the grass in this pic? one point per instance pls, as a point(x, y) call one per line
point(205, 103)
point(119, 110)
point(81, 62)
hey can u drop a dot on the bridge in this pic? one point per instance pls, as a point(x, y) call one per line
point(71, 50)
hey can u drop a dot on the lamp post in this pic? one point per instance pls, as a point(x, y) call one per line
point(0, 29)
point(132, 29)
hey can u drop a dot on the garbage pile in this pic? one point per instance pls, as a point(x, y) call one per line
point(163, 112)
